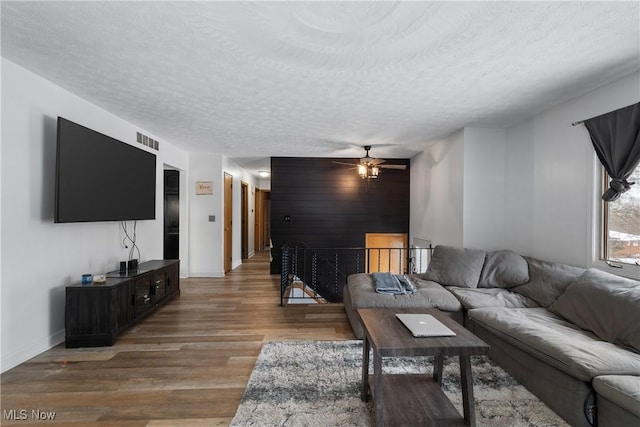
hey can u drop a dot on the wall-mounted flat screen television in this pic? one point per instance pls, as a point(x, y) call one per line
point(99, 178)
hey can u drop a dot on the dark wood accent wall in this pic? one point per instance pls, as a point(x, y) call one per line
point(327, 205)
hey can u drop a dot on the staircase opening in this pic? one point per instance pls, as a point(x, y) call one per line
point(318, 275)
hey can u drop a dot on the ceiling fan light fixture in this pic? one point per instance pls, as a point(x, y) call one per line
point(369, 167)
point(362, 171)
point(368, 172)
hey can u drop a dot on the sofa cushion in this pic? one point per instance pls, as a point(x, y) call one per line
point(605, 304)
point(503, 269)
point(490, 297)
point(623, 390)
point(547, 280)
point(451, 266)
point(557, 342)
point(428, 295)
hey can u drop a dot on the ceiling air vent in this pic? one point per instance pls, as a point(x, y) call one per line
point(147, 141)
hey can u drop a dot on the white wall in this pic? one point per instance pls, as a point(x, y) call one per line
point(484, 188)
point(531, 188)
point(39, 258)
point(206, 238)
point(519, 188)
point(264, 184)
point(436, 207)
point(458, 191)
point(205, 244)
point(552, 215)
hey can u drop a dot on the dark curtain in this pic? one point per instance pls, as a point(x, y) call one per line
point(616, 139)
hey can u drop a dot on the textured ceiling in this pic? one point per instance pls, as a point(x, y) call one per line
point(253, 80)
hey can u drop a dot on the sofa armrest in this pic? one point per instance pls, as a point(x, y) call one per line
point(621, 390)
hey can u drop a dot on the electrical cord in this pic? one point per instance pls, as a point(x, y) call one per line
point(124, 239)
point(127, 237)
point(135, 246)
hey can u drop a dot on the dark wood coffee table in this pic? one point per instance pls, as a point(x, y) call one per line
point(413, 399)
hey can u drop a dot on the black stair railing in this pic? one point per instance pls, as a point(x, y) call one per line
point(318, 272)
point(321, 273)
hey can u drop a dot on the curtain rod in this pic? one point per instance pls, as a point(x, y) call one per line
point(582, 121)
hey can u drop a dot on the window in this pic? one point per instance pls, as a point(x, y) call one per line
point(621, 224)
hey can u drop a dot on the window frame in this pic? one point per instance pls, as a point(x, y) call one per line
point(601, 240)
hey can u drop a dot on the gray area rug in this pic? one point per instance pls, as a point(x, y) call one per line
point(317, 383)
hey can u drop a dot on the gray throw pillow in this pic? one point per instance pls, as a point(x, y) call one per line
point(503, 269)
point(605, 304)
point(451, 266)
point(547, 280)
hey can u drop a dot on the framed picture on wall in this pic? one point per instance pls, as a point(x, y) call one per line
point(204, 187)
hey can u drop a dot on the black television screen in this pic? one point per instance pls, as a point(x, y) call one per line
point(99, 178)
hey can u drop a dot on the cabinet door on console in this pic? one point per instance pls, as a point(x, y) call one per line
point(173, 279)
point(122, 305)
point(160, 283)
point(89, 311)
point(145, 299)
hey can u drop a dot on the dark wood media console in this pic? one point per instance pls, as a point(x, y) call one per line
point(96, 313)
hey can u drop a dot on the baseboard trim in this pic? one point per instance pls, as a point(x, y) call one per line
point(206, 274)
point(30, 350)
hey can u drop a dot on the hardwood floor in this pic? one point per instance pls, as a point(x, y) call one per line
point(185, 365)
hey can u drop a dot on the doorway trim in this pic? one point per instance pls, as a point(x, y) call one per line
point(228, 223)
point(244, 220)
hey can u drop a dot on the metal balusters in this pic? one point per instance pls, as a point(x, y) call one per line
point(322, 272)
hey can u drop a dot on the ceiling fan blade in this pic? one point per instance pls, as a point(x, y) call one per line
point(344, 163)
point(375, 162)
point(400, 167)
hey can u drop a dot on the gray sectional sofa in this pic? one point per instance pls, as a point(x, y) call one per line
point(570, 335)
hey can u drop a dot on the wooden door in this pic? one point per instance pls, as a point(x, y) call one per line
point(386, 252)
point(257, 235)
point(244, 216)
point(266, 219)
point(261, 225)
point(228, 221)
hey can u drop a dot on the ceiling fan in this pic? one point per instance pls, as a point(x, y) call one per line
point(369, 167)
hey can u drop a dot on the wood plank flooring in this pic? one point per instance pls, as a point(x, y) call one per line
point(186, 365)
